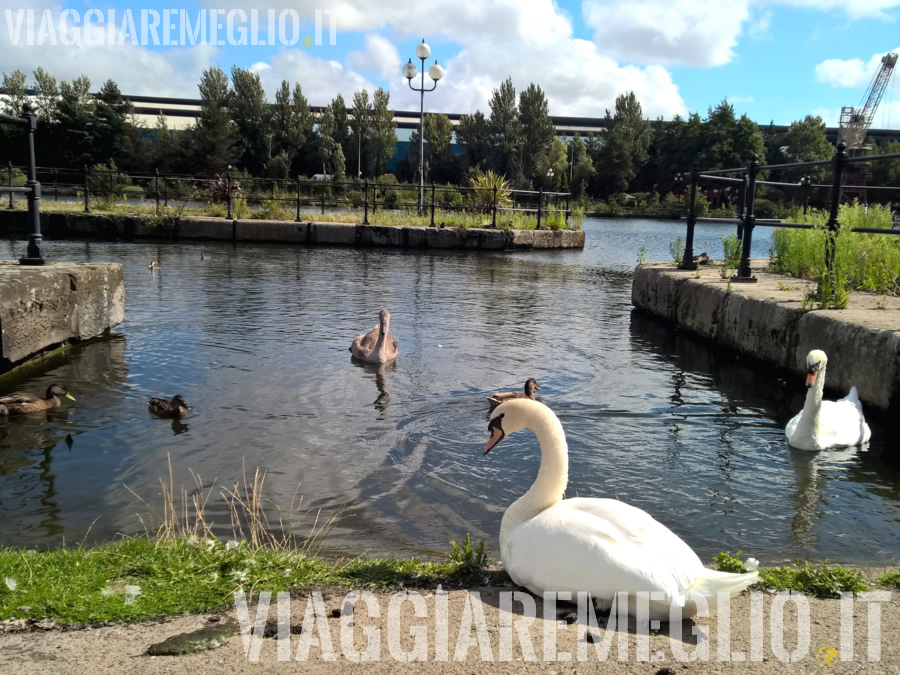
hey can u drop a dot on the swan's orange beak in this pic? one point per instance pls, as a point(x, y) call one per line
point(811, 377)
point(496, 437)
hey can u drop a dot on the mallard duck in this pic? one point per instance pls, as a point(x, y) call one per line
point(20, 402)
point(501, 396)
point(177, 407)
point(378, 345)
point(154, 265)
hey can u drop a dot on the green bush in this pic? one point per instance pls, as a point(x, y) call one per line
point(765, 208)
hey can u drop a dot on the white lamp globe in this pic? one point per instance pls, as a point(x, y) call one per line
point(435, 72)
point(423, 51)
point(409, 70)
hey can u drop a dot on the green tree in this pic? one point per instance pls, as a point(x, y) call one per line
point(473, 132)
point(167, 148)
point(253, 115)
point(215, 141)
point(805, 141)
point(438, 134)
point(625, 146)
point(291, 123)
point(730, 142)
point(538, 131)
point(111, 121)
point(341, 125)
point(582, 168)
point(384, 135)
point(361, 130)
point(74, 114)
point(46, 93)
point(14, 92)
point(885, 172)
point(331, 155)
point(551, 165)
point(506, 131)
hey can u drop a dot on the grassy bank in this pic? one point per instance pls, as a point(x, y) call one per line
point(140, 578)
point(551, 219)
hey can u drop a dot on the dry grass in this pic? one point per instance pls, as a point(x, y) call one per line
point(184, 515)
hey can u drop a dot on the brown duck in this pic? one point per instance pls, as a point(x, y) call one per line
point(20, 403)
point(177, 407)
point(501, 396)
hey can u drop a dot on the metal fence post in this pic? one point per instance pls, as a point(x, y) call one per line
point(87, 191)
point(112, 187)
point(156, 179)
point(166, 191)
point(55, 185)
point(323, 196)
point(494, 210)
point(540, 203)
point(366, 202)
point(9, 170)
point(432, 203)
point(229, 214)
point(298, 219)
point(568, 196)
point(742, 202)
point(687, 261)
point(839, 162)
point(35, 250)
point(807, 184)
point(745, 274)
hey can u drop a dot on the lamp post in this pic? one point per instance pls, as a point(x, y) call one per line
point(423, 51)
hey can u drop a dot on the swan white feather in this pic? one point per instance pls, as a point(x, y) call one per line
point(601, 546)
point(826, 424)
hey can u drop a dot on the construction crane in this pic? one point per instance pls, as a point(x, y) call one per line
point(855, 123)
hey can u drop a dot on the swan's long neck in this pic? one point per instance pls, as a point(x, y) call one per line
point(382, 336)
point(551, 480)
point(812, 408)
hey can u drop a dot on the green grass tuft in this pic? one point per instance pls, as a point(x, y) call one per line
point(890, 579)
point(825, 581)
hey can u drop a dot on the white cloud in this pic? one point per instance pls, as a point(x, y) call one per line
point(321, 80)
point(667, 31)
point(379, 56)
point(854, 9)
point(760, 25)
point(848, 72)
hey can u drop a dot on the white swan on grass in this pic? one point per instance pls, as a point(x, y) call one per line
point(826, 424)
point(601, 546)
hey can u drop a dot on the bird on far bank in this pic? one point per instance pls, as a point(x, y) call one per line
point(501, 396)
point(20, 403)
point(826, 424)
point(378, 345)
point(177, 407)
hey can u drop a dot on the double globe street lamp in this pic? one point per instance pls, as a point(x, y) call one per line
point(423, 51)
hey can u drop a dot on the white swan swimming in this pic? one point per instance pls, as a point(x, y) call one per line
point(378, 345)
point(602, 546)
point(826, 424)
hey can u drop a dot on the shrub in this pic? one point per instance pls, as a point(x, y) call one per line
point(485, 186)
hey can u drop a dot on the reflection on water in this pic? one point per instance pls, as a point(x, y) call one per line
point(256, 338)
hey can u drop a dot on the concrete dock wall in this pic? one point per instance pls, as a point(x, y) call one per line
point(766, 320)
point(60, 225)
point(44, 307)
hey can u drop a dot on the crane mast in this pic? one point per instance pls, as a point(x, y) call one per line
point(855, 123)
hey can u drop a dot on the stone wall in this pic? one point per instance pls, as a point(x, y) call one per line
point(60, 225)
point(42, 307)
point(766, 320)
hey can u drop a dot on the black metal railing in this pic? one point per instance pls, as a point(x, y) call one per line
point(747, 220)
point(228, 194)
point(34, 254)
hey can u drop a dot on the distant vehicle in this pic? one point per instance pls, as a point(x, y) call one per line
point(321, 176)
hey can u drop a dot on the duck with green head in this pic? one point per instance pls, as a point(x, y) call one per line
point(20, 403)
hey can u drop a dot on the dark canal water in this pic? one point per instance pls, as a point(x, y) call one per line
point(256, 338)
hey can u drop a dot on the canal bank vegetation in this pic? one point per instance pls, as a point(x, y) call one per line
point(869, 262)
point(180, 566)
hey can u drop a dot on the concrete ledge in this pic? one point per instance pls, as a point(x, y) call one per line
point(60, 225)
point(766, 322)
point(270, 230)
point(44, 307)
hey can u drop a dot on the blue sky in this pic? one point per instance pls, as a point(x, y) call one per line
point(773, 59)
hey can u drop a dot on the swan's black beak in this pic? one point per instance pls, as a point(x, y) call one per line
point(497, 434)
point(811, 376)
